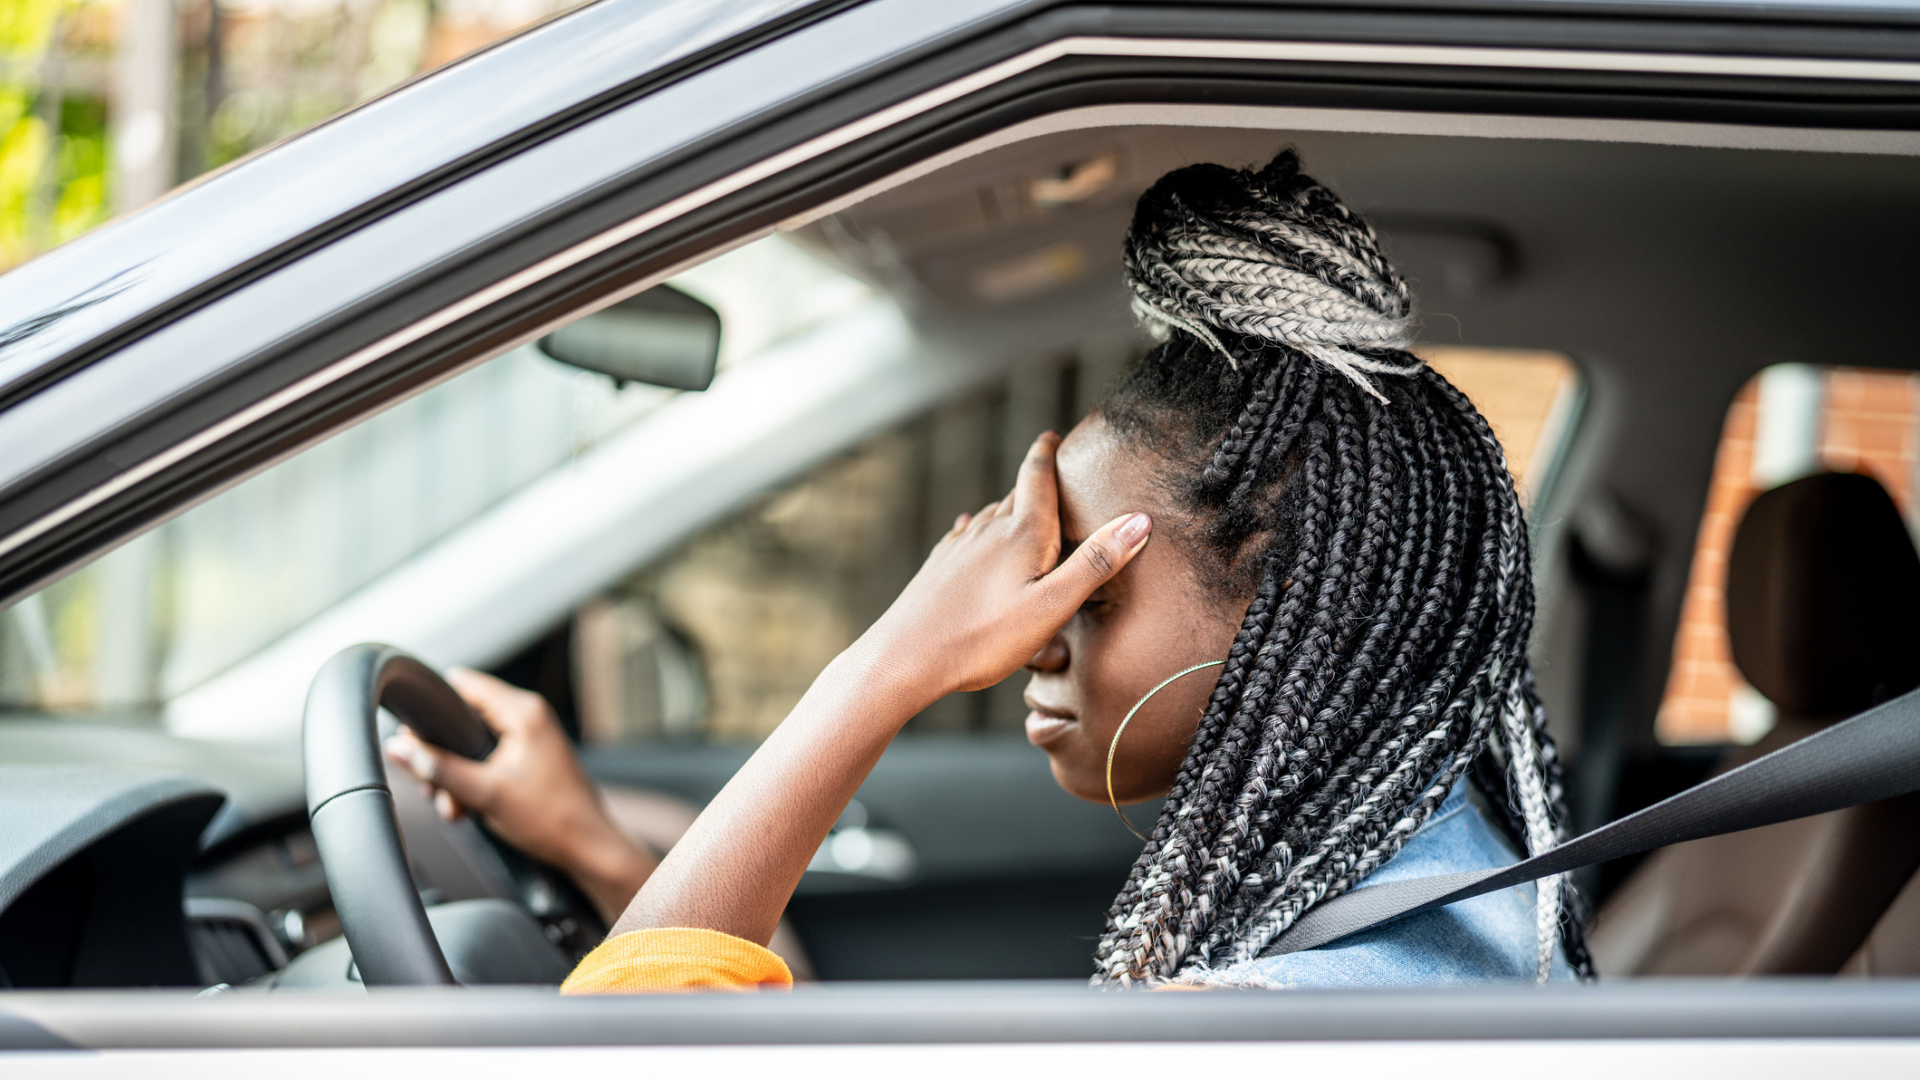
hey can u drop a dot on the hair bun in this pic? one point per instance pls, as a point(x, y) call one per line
point(1271, 255)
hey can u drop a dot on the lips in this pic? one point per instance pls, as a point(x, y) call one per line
point(1044, 726)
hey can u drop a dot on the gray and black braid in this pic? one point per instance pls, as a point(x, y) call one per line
point(1367, 509)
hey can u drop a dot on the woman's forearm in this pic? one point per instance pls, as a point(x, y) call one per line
point(739, 863)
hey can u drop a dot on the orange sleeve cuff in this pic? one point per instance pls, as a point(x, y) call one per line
point(676, 959)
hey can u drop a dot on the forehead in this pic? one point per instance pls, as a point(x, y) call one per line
point(1101, 477)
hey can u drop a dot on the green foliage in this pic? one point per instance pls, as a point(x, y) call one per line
point(53, 176)
point(82, 168)
point(26, 27)
point(23, 151)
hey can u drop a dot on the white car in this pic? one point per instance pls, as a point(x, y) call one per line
point(354, 389)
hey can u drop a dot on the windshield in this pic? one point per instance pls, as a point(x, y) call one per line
point(186, 601)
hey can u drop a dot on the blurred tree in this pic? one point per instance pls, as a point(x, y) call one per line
point(53, 131)
point(104, 104)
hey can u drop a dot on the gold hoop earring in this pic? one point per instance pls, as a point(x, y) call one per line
point(1122, 729)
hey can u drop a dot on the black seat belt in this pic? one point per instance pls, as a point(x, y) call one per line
point(1875, 755)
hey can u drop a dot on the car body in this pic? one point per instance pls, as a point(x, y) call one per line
point(1674, 194)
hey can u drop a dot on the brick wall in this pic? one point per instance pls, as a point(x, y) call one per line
point(1868, 424)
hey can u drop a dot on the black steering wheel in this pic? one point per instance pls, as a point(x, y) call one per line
point(351, 808)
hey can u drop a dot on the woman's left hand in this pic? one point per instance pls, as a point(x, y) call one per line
point(531, 791)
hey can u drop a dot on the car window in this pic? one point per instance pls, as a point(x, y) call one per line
point(1787, 422)
point(187, 601)
point(718, 640)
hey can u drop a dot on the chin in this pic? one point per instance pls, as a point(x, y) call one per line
point(1075, 783)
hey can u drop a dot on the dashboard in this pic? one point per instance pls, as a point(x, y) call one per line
point(966, 861)
point(129, 857)
point(132, 858)
point(256, 901)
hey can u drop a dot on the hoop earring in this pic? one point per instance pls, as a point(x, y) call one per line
point(1122, 729)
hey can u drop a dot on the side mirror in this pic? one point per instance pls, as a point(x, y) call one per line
point(662, 336)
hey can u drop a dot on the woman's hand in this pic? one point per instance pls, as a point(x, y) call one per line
point(992, 593)
point(995, 591)
point(531, 791)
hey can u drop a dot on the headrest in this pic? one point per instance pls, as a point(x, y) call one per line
point(1823, 597)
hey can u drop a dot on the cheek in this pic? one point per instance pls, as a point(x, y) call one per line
point(1157, 740)
point(1119, 664)
point(1110, 674)
point(1113, 671)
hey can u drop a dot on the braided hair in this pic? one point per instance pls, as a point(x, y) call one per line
point(1366, 508)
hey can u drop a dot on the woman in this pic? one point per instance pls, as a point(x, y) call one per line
point(1335, 615)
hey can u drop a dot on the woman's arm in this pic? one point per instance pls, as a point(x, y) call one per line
point(991, 594)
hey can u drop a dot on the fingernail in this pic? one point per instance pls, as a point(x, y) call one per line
point(1133, 530)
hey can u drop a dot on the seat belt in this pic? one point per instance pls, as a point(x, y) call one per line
point(1875, 755)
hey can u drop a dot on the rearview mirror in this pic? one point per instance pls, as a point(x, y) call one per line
point(662, 336)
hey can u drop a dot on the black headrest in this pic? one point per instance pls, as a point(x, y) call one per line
point(1823, 597)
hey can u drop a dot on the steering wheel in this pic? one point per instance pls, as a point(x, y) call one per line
point(351, 808)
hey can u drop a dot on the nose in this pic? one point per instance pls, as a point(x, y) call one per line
point(1052, 657)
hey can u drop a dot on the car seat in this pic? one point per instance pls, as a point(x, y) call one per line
point(1893, 949)
point(1823, 584)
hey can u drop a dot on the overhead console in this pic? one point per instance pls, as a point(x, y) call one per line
point(1044, 214)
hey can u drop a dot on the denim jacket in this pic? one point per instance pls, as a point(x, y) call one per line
point(1489, 938)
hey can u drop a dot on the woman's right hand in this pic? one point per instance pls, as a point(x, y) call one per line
point(994, 591)
point(531, 791)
